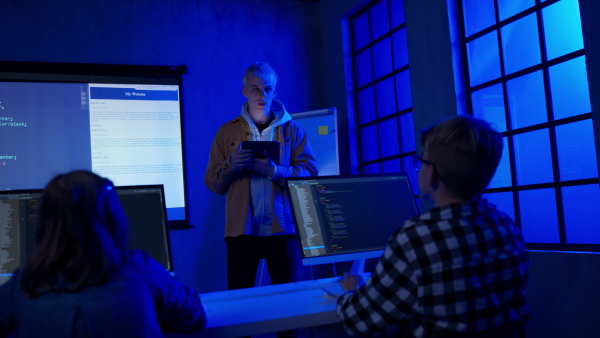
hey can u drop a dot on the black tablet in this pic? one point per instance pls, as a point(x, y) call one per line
point(259, 148)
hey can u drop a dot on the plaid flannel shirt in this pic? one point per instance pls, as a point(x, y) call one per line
point(457, 268)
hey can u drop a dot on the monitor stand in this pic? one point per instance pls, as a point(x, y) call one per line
point(358, 267)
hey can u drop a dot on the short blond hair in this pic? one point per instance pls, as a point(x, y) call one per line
point(465, 151)
point(263, 70)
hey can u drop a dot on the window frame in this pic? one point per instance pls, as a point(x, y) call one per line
point(551, 124)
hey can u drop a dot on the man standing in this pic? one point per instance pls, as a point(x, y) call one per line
point(258, 219)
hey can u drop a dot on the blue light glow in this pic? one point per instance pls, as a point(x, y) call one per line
point(368, 143)
point(407, 134)
point(582, 212)
point(388, 146)
point(533, 159)
point(570, 90)
point(382, 58)
point(391, 166)
point(502, 178)
point(538, 216)
point(479, 14)
point(397, 8)
point(484, 59)
point(521, 44)
point(503, 202)
point(360, 31)
point(379, 19)
point(386, 104)
point(400, 50)
point(363, 71)
point(527, 100)
point(562, 28)
point(366, 105)
point(403, 90)
point(508, 8)
point(488, 104)
point(576, 151)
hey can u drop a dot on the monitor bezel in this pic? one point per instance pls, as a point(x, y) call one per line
point(166, 228)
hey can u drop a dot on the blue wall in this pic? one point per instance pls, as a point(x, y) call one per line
point(216, 40)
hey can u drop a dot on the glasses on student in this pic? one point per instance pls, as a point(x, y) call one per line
point(418, 160)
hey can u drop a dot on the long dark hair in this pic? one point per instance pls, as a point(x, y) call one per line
point(79, 231)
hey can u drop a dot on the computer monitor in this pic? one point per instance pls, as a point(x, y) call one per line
point(346, 218)
point(18, 210)
point(144, 207)
point(123, 122)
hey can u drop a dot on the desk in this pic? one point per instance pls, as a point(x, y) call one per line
point(267, 309)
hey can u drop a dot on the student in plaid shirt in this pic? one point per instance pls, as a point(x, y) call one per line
point(458, 270)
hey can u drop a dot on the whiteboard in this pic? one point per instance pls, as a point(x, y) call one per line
point(321, 127)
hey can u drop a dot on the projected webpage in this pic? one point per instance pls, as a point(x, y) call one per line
point(135, 135)
point(127, 132)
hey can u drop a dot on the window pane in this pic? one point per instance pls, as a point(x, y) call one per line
point(407, 167)
point(397, 12)
point(400, 48)
point(502, 177)
point(533, 160)
point(391, 166)
point(488, 104)
point(527, 100)
point(407, 134)
point(576, 151)
point(484, 59)
point(371, 169)
point(582, 212)
point(562, 28)
point(538, 216)
point(380, 19)
point(503, 202)
point(403, 90)
point(509, 8)
point(521, 44)
point(388, 138)
point(382, 58)
point(479, 14)
point(368, 144)
point(362, 68)
point(570, 91)
point(360, 31)
point(366, 105)
point(386, 104)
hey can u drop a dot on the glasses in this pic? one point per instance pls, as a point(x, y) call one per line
point(417, 160)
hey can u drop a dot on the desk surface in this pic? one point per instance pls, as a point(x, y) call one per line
point(268, 309)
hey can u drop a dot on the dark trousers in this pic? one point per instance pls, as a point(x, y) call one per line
point(281, 254)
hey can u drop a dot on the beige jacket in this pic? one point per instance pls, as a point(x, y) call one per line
point(296, 159)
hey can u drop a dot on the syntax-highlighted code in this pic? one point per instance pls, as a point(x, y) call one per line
point(7, 121)
point(3, 159)
point(13, 124)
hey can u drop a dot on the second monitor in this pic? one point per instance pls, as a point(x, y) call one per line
point(344, 218)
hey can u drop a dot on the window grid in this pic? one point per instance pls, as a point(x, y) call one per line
point(367, 163)
point(544, 65)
